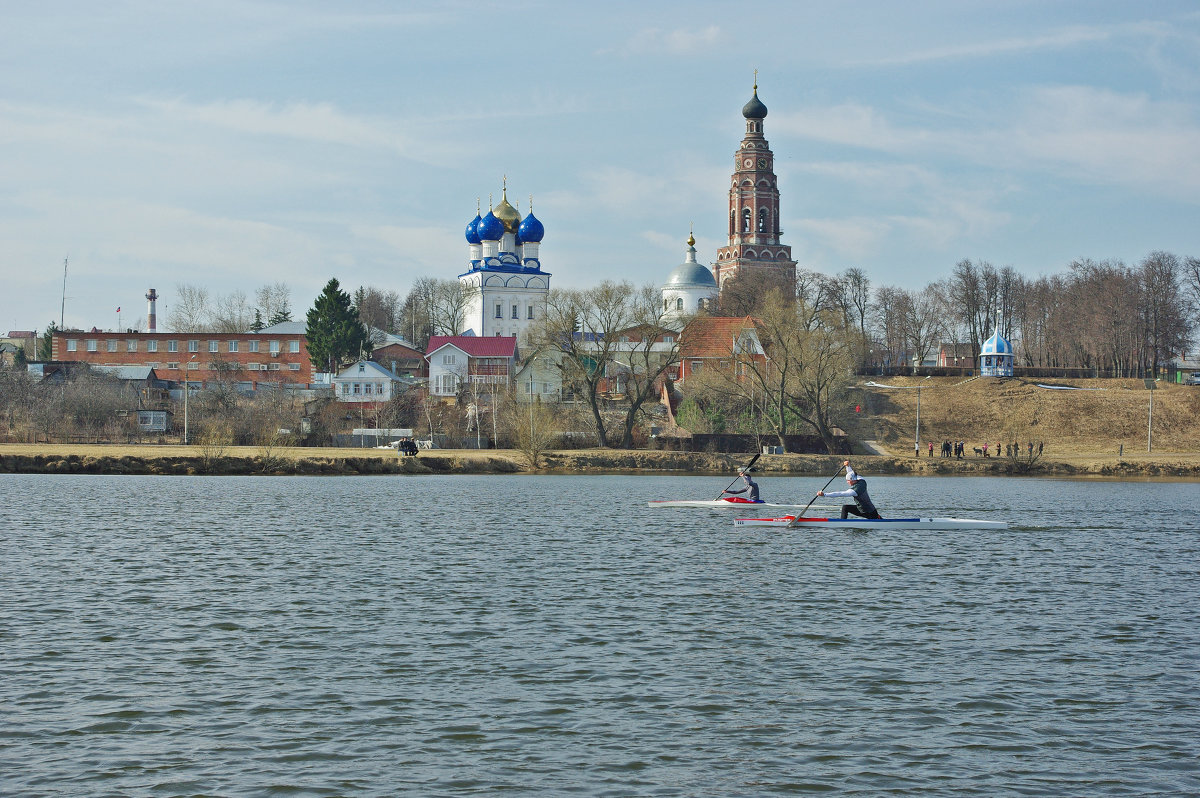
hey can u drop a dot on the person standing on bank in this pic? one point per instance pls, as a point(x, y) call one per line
point(751, 488)
point(862, 506)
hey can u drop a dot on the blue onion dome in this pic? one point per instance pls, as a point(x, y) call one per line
point(755, 108)
point(507, 214)
point(691, 274)
point(531, 229)
point(490, 228)
point(473, 230)
point(996, 345)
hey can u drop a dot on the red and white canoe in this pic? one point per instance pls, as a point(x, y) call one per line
point(871, 523)
point(732, 502)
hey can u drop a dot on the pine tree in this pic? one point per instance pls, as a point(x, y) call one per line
point(258, 322)
point(282, 314)
point(335, 334)
point(45, 350)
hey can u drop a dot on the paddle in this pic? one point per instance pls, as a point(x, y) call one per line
point(753, 460)
point(800, 514)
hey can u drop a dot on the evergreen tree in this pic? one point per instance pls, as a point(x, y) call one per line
point(335, 334)
point(45, 349)
point(284, 313)
point(258, 322)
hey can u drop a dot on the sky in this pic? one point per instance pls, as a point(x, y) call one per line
point(231, 144)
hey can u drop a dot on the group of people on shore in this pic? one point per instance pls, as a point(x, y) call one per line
point(958, 449)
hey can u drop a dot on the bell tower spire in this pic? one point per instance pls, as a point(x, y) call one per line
point(754, 228)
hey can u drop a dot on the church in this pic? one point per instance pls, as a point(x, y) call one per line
point(754, 228)
point(505, 278)
point(508, 286)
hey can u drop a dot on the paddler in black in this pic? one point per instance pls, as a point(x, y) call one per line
point(751, 489)
point(862, 506)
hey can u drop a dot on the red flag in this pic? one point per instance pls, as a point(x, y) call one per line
point(118, 310)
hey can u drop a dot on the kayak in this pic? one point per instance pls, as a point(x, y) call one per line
point(744, 504)
point(872, 523)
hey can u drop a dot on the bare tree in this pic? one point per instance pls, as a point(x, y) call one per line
point(190, 310)
point(231, 313)
point(582, 327)
point(274, 302)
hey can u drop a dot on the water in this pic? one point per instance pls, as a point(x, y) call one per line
point(551, 635)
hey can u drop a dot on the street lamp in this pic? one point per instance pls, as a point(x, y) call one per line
point(917, 433)
point(186, 390)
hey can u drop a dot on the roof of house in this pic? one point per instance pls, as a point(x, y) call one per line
point(713, 336)
point(128, 372)
point(374, 369)
point(476, 346)
point(21, 334)
point(285, 328)
point(399, 348)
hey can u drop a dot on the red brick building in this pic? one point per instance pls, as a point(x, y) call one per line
point(252, 359)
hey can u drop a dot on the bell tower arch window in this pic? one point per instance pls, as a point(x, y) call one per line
point(762, 220)
point(745, 220)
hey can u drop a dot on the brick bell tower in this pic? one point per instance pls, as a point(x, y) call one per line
point(754, 206)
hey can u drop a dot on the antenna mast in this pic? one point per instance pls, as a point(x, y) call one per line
point(63, 310)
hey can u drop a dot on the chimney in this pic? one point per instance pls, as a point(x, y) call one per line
point(151, 319)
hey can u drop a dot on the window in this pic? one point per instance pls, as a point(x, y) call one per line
point(72, 345)
point(668, 339)
point(112, 344)
point(762, 220)
point(254, 346)
point(193, 365)
point(293, 366)
point(152, 346)
point(274, 347)
point(516, 312)
point(447, 360)
point(293, 346)
point(362, 367)
point(367, 388)
point(745, 220)
point(273, 367)
point(254, 367)
point(233, 346)
point(679, 303)
point(499, 311)
point(172, 346)
point(130, 344)
point(91, 345)
point(345, 389)
point(193, 346)
point(213, 346)
point(529, 312)
point(697, 365)
point(173, 366)
point(357, 388)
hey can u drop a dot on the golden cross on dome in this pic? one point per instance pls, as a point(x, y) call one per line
point(756, 80)
point(531, 203)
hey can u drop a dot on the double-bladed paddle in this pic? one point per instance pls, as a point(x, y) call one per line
point(799, 515)
point(746, 467)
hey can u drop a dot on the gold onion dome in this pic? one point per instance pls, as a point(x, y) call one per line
point(507, 214)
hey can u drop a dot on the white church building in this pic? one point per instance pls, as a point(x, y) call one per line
point(509, 286)
point(690, 287)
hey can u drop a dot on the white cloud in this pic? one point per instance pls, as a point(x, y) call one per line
point(679, 41)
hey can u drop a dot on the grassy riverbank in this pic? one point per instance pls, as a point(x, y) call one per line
point(182, 460)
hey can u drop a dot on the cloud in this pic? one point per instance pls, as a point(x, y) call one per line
point(1058, 40)
point(678, 41)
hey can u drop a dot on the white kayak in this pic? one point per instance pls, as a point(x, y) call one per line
point(721, 504)
point(872, 523)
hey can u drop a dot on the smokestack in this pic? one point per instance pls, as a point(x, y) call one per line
point(151, 323)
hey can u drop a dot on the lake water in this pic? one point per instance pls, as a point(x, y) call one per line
point(551, 635)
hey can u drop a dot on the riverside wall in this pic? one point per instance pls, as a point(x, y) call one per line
point(597, 461)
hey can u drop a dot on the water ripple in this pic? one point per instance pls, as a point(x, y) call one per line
point(549, 635)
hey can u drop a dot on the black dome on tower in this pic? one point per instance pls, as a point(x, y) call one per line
point(755, 108)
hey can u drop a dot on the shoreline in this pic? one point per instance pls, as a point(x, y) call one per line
point(245, 461)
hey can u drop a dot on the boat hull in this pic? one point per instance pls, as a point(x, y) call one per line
point(871, 523)
point(721, 504)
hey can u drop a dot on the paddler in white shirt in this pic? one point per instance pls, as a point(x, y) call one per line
point(862, 506)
